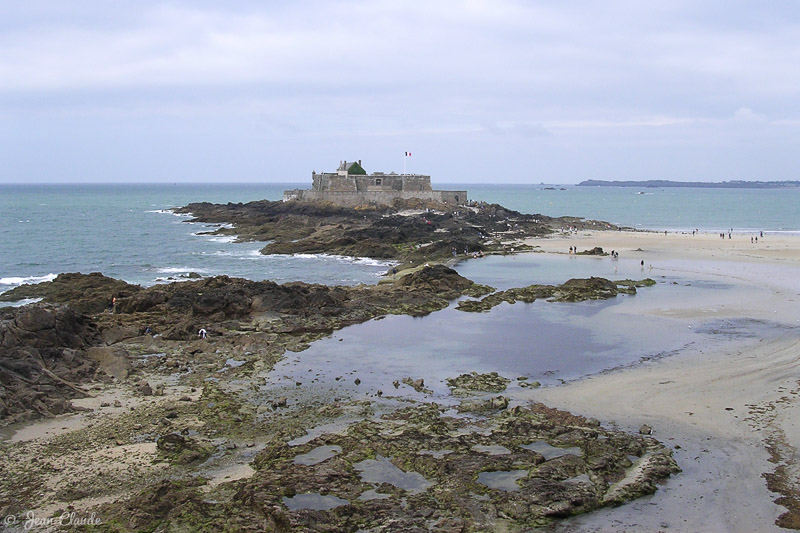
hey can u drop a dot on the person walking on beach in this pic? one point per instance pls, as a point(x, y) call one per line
point(202, 333)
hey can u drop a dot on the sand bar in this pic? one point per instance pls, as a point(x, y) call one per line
point(724, 411)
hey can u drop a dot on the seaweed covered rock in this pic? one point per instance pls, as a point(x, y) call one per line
point(513, 470)
point(416, 469)
point(468, 384)
point(580, 289)
point(182, 450)
point(168, 500)
point(573, 290)
point(498, 403)
point(436, 278)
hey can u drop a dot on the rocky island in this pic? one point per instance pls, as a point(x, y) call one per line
point(411, 232)
point(158, 427)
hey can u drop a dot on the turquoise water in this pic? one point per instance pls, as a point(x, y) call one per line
point(125, 231)
point(744, 210)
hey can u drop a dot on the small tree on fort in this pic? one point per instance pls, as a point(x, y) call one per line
point(357, 169)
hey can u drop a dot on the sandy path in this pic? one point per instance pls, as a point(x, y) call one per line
point(721, 409)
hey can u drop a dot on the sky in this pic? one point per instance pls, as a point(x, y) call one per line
point(499, 91)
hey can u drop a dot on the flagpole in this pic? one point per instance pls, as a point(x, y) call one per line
point(404, 163)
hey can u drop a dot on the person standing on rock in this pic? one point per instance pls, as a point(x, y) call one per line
point(202, 333)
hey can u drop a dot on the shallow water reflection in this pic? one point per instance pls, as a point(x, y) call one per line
point(542, 341)
point(317, 455)
point(313, 501)
point(381, 470)
point(550, 452)
point(502, 479)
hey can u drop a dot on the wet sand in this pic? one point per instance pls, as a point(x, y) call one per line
point(724, 411)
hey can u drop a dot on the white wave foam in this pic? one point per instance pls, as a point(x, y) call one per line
point(364, 261)
point(168, 212)
point(180, 270)
point(373, 262)
point(227, 239)
point(26, 280)
point(20, 303)
point(787, 232)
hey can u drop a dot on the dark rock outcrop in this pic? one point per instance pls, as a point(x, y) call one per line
point(437, 278)
point(594, 251)
point(85, 293)
point(43, 359)
point(432, 233)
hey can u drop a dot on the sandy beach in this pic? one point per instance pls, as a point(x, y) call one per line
point(730, 414)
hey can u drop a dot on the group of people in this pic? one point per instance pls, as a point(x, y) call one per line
point(475, 254)
point(753, 239)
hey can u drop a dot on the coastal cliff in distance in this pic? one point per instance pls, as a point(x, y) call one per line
point(735, 184)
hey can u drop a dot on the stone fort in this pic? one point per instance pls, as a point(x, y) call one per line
point(351, 186)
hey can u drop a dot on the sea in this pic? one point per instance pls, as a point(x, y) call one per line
point(129, 232)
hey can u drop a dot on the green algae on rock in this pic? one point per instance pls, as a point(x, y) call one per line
point(468, 384)
point(573, 290)
point(392, 461)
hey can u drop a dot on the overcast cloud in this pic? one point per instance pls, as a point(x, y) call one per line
point(479, 91)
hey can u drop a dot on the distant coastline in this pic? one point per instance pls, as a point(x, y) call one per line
point(736, 184)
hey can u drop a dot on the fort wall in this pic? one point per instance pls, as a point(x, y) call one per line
point(353, 199)
point(346, 189)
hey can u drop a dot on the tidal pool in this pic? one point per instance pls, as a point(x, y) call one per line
point(317, 455)
point(550, 452)
point(381, 470)
point(502, 479)
point(314, 501)
point(542, 341)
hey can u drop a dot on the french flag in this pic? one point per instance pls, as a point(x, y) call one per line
point(408, 154)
